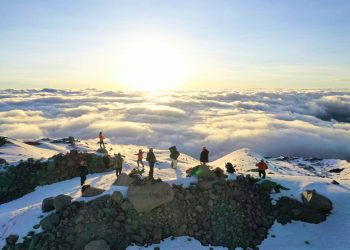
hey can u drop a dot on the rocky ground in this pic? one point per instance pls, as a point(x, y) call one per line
point(19, 180)
point(215, 211)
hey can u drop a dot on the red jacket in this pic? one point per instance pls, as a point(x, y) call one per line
point(101, 137)
point(262, 165)
point(139, 156)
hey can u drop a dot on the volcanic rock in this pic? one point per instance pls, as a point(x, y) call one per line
point(61, 201)
point(97, 245)
point(47, 204)
point(146, 197)
point(316, 201)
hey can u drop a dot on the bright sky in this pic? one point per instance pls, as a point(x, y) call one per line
point(188, 44)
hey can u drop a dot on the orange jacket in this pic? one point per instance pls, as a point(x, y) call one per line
point(262, 165)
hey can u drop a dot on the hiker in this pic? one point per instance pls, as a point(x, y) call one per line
point(262, 166)
point(139, 159)
point(174, 154)
point(204, 157)
point(101, 137)
point(106, 160)
point(230, 168)
point(118, 158)
point(151, 158)
point(83, 171)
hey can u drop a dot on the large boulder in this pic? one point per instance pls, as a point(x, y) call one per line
point(146, 197)
point(316, 201)
point(61, 201)
point(97, 245)
point(47, 204)
point(50, 221)
point(123, 180)
point(88, 191)
point(12, 239)
point(117, 197)
point(204, 173)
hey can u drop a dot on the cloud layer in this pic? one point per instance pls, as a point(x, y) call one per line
point(301, 123)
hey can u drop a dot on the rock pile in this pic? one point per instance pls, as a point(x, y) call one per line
point(314, 209)
point(19, 180)
point(217, 212)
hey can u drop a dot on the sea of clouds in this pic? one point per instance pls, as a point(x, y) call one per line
point(310, 123)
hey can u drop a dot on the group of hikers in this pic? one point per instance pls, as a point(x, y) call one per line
point(118, 159)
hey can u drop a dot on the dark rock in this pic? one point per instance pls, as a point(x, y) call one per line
point(47, 204)
point(12, 239)
point(157, 234)
point(61, 201)
point(335, 182)
point(205, 185)
point(50, 221)
point(137, 239)
point(316, 201)
point(97, 245)
point(88, 191)
point(199, 209)
point(336, 170)
point(204, 173)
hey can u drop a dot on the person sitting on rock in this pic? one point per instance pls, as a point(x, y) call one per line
point(230, 168)
point(151, 158)
point(83, 171)
point(262, 166)
point(174, 155)
point(139, 159)
point(101, 137)
point(204, 157)
point(118, 163)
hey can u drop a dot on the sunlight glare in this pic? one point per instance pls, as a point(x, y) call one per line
point(152, 65)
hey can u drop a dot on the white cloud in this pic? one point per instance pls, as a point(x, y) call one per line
point(289, 122)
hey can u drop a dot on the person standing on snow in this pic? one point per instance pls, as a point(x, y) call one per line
point(140, 158)
point(174, 155)
point(262, 166)
point(83, 171)
point(118, 163)
point(151, 158)
point(204, 157)
point(101, 137)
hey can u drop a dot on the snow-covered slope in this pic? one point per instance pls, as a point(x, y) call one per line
point(19, 216)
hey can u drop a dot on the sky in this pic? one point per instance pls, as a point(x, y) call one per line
point(122, 45)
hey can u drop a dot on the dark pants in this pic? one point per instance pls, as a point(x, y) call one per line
point(262, 173)
point(138, 163)
point(118, 171)
point(82, 180)
point(102, 143)
point(151, 167)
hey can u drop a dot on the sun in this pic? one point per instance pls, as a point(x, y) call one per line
point(152, 65)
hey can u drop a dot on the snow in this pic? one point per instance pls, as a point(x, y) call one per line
point(297, 174)
point(183, 243)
